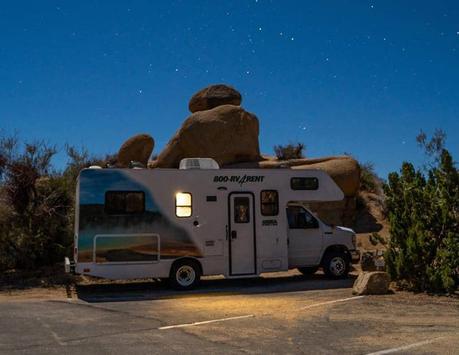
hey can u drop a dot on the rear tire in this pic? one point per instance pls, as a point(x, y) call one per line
point(308, 270)
point(336, 265)
point(185, 275)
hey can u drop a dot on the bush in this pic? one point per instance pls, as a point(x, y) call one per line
point(36, 204)
point(289, 151)
point(423, 212)
point(369, 181)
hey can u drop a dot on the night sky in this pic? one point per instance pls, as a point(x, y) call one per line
point(361, 77)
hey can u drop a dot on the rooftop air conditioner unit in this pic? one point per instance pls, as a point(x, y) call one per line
point(198, 163)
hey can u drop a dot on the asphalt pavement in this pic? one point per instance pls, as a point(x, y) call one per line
point(280, 313)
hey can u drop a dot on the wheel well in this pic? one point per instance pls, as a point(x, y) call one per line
point(188, 259)
point(336, 248)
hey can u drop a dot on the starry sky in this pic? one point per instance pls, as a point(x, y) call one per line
point(361, 77)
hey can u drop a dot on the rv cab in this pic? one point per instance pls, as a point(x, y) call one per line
point(312, 243)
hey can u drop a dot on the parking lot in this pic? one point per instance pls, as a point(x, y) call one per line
point(279, 313)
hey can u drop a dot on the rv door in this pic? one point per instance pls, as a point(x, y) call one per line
point(305, 237)
point(241, 234)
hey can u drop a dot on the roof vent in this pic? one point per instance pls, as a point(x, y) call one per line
point(198, 163)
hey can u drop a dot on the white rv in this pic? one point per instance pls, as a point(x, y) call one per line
point(183, 223)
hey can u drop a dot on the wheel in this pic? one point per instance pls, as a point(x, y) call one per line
point(336, 265)
point(185, 275)
point(308, 270)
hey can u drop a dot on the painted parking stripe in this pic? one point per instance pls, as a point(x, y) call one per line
point(331, 302)
point(406, 347)
point(205, 322)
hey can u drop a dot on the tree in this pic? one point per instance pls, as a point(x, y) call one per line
point(423, 212)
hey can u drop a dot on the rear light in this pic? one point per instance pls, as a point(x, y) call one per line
point(75, 252)
point(86, 270)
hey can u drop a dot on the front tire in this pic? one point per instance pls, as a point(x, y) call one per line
point(185, 275)
point(336, 265)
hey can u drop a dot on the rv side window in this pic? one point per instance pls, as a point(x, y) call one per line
point(304, 183)
point(241, 210)
point(269, 203)
point(183, 204)
point(299, 218)
point(124, 202)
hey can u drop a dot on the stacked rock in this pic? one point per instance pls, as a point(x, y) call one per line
point(218, 128)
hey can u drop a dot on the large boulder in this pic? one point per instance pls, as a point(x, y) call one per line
point(371, 283)
point(137, 148)
point(227, 133)
point(344, 170)
point(213, 96)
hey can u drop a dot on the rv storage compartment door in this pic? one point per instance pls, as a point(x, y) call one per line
point(126, 248)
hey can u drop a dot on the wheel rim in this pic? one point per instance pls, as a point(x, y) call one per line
point(337, 266)
point(185, 275)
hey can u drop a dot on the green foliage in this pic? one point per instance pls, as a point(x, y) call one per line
point(289, 151)
point(369, 181)
point(423, 211)
point(36, 204)
point(376, 238)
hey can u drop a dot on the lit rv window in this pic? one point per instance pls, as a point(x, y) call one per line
point(269, 203)
point(241, 210)
point(183, 204)
point(124, 202)
point(304, 183)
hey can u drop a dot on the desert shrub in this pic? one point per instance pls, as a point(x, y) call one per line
point(35, 224)
point(36, 203)
point(369, 181)
point(289, 151)
point(423, 212)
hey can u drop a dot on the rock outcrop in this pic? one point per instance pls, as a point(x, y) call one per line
point(136, 149)
point(227, 134)
point(371, 283)
point(213, 96)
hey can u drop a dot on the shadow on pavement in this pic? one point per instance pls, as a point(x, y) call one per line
point(151, 290)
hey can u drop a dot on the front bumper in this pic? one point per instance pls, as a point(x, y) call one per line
point(355, 256)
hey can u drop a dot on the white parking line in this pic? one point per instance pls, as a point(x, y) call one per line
point(331, 302)
point(204, 322)
point(406, 347)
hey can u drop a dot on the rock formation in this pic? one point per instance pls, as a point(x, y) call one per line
point(213, 96)
point(227, 134)
point(136, 149)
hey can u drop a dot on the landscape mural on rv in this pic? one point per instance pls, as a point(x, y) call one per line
point(94, 220)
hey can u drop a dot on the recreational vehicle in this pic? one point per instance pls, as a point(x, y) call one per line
point(181, 224)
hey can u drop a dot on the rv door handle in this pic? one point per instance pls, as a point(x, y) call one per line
point(233, 235)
